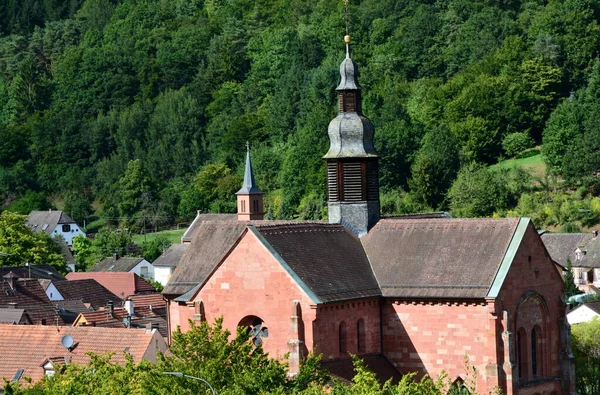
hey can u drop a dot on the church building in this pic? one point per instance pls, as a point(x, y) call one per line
point(414, 293)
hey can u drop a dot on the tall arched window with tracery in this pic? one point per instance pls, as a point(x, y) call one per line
point(531, 332)
point(360, 335)
point(343, 337)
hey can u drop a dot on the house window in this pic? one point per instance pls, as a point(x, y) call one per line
point(144, 271)
point(243, 206)
point(360, 335)
point(343, 338)
point(66, 228)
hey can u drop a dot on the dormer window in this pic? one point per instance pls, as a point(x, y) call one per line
point(579, 254)
point(66, 228)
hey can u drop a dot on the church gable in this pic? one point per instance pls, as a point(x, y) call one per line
point(251, 288)
point(530, 297)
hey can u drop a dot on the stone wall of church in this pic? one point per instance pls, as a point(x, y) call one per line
point(518, 341)
point(531, 302)
point(348, 327)
point(250, 284)
point(436, 337)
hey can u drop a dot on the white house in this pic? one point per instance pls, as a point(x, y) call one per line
point(55, 223)
point(139, 266)
point(165, 264)
point(584, 312)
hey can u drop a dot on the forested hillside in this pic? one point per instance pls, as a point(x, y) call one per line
point(140, 109)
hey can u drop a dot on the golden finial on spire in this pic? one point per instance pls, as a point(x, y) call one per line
point(347, 39)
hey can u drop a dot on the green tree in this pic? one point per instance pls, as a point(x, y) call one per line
point(30, 202)
point(477, 192)
point(515, 143)
point(569, 280)
point(131, 186)
point(434, 169)
point(585, 339)
point(23, 245)
point(85, 254)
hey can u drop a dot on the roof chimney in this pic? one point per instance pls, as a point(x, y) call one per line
point(129, 307)
point(11, 278)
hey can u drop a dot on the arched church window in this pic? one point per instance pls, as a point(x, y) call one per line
point(360, 335)
point(522, 353)
point(536, 351)
point(343, 337)
point(257, 330)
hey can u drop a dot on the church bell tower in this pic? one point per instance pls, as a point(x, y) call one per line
point(352, 162)
point(249, 197)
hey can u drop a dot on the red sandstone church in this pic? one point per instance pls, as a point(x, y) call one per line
point(409, 293)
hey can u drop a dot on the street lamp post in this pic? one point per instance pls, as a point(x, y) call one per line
point(179, 374)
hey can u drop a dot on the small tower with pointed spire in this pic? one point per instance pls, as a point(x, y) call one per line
point(249, 197)
point(352, 162)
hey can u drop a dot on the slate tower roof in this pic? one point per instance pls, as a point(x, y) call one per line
point(352, 162)
point(249, 187)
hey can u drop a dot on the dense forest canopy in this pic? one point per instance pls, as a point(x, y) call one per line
point(136, 109)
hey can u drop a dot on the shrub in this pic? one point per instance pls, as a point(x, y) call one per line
point(516, 143)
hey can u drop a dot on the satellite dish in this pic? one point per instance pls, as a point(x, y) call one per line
point(67, 341)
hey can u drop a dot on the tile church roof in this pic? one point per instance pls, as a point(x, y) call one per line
point(400, 257)
point(428, 258)
point(328, 258)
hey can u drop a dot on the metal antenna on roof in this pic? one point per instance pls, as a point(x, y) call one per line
point(347, 21)
point(346, 16)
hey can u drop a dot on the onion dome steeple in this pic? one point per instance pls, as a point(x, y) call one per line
point(352, 162)
point(249, 197)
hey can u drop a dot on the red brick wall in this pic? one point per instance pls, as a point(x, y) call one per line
point(436, 337)
point(531, 295)
point(251, 282)
point(327, 324)
point(179, 314)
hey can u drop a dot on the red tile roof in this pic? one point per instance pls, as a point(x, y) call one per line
point(28, 294)
point(121, 284)
point(27, 347)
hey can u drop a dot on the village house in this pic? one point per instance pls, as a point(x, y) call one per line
point(56, 223)
point(584, 312)
point(406, 294)
point(35, 351)
point(582, 251)
point(125, 264)
point(122, 284)
point(165, 265)
point(45, 301)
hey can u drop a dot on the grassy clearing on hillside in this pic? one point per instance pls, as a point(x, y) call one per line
point(534, 164)
point(174, 236)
